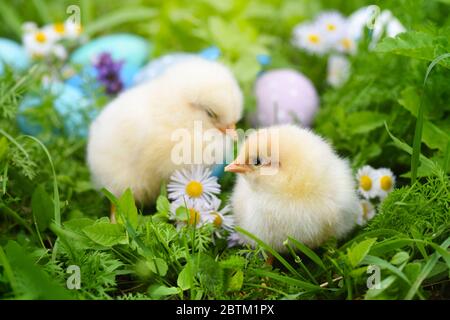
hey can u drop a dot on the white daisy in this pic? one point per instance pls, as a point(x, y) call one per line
point(346, 44)
point(367, 17)
point(195, 184)
point(333, 25)
point(366, 177)
point(338, 70)
point(384, 182)
point(310, 38)
point(220, 218)
point(366, 213)
point(189, 213)
point(38, 43)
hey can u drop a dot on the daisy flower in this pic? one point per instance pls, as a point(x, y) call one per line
point(366, 177)
point(385, 182)
point(195, 184)
point(310, 38)
point(189, 213)
point(338, 70)
point(332, 25)
point(220, 218)
point(366, 213)
point(66, 30)
point(38, 43)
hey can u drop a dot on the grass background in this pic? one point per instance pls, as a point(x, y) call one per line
point(385, 115)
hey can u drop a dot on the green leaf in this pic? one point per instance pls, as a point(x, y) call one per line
point(42, 207)
point(432, 135)
point(158, 291)
point(359, 251)
point(158, 266)
point(35, 283)
point(106, 234)
point(235, 281)
point(184, 280)
point(162, 205)
point(3, 148)
point(127, 208)
point(400, 257)
point(419, 45)
point(365, 121)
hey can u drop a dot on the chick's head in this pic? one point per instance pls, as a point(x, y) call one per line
point(211, 92)
point(284, 160)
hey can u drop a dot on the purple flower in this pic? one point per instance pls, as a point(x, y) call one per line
point(108, 73)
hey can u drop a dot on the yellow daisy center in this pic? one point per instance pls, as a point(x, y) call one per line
point(59, 28)
point(346, 43)
point(314, 38)
point(217, 220)
point(40, 37)
point(194, 189)
point(331, 27)
point(365, 183)
point(194, 217)
point(386, 183)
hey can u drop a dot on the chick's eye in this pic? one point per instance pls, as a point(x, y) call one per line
point(211, 114)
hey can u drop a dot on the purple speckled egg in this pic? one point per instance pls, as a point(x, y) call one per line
point(285, 96)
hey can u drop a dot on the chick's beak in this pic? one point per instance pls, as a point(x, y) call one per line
point(237, 168)
point(230, 130)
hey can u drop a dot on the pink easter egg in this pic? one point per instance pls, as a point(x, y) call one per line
point(285, 96)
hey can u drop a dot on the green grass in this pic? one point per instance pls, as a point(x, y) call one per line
point(51, 217)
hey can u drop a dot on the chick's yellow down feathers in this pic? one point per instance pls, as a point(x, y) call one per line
point(292, 183)
point(131, 141)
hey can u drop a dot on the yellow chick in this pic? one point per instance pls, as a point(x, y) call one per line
point(292, 183)
point(131, 141)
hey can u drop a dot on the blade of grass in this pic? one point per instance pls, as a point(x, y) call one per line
point(11, 18)
point(384, 264)
point(426, 271)
point(43, 11)
point(56, 203)
point(308, 252)
point(269, 249)
point(288, 280)
point(417, 142)
point(119, 17)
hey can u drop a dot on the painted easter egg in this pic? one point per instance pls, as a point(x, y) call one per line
point(158, 66)
point(285, 96)
point(13, 55)
point(131, 50)
point(69, 102)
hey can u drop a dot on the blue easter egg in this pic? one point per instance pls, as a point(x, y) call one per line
point(70, 104)
point(132, 50)
point(13, 55)
point(158, 66)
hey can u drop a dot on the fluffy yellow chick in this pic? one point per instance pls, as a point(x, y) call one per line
point(292, 183)
point(130, 142)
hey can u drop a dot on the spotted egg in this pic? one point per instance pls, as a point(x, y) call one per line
point(72, 106)
point(285, 96)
